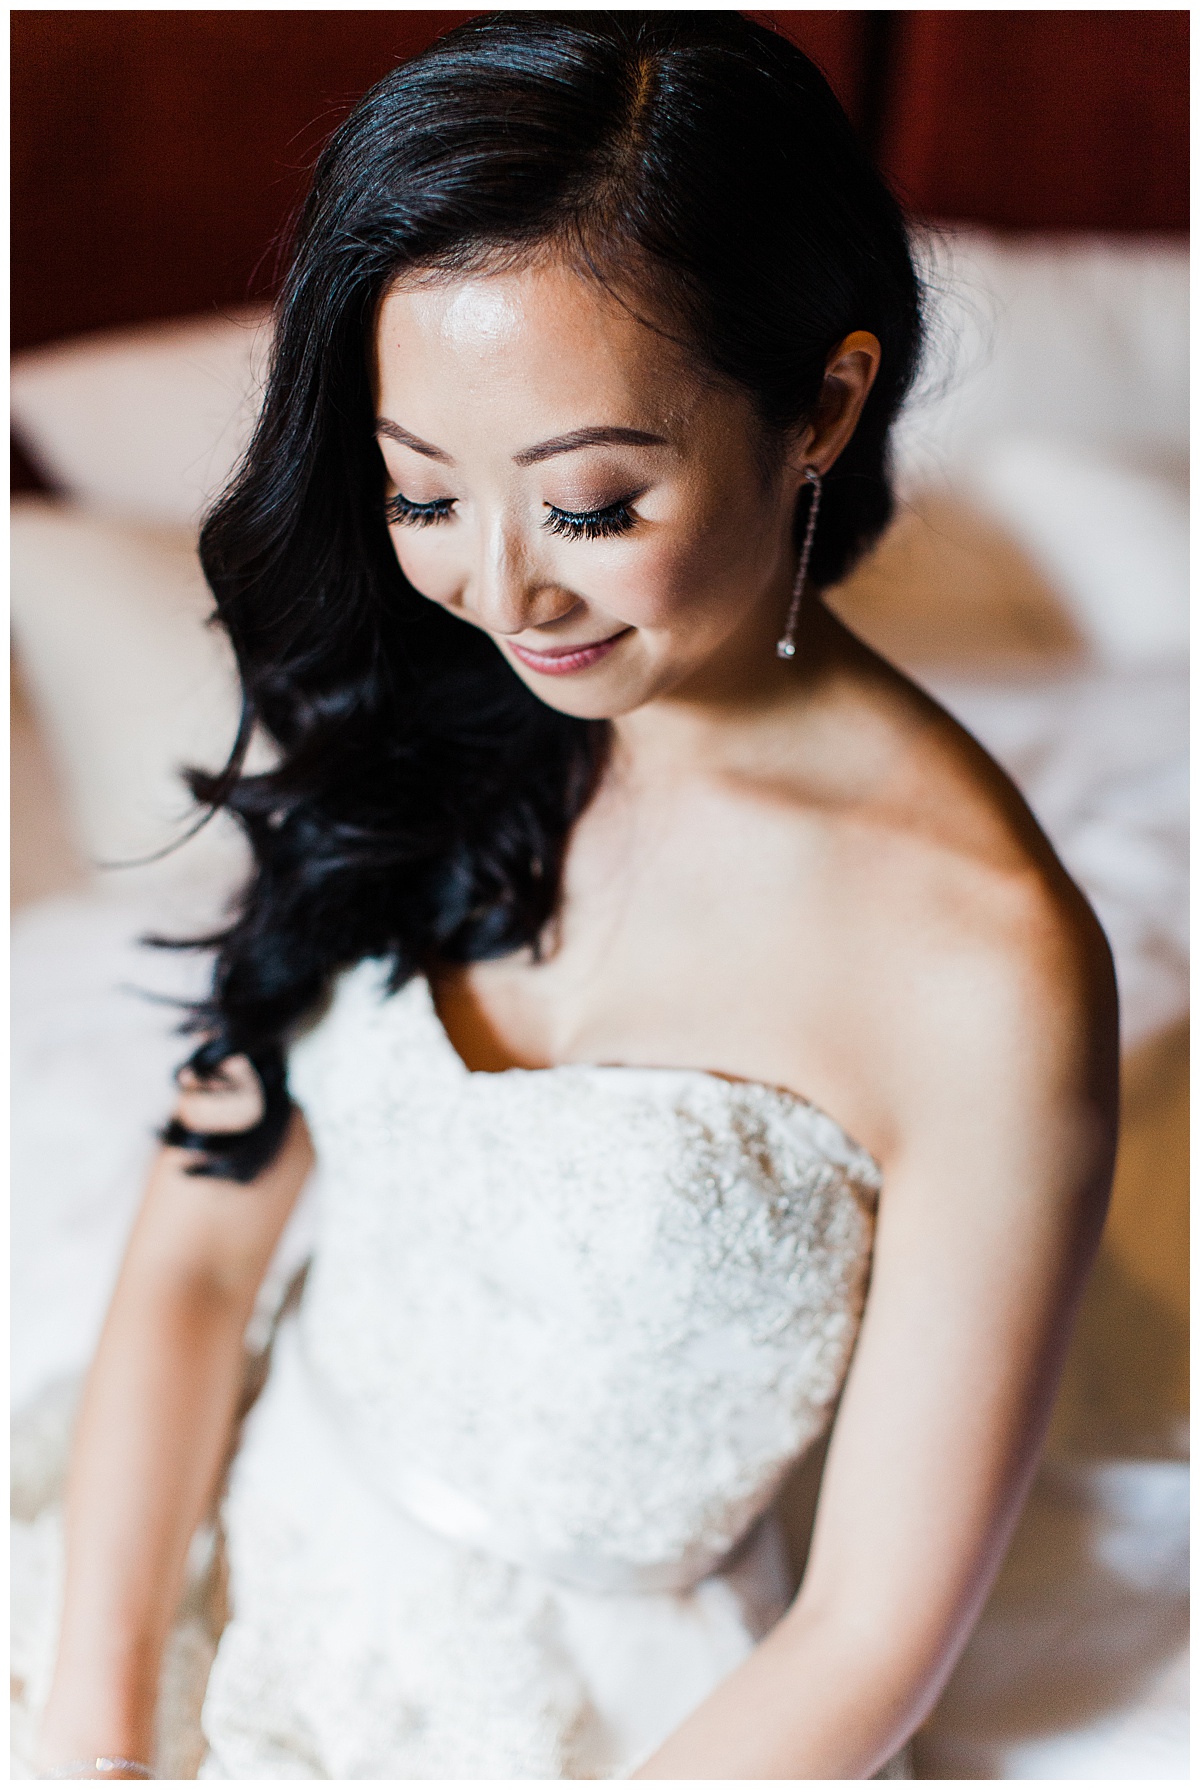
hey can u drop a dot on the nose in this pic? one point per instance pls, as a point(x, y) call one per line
point(508, 590)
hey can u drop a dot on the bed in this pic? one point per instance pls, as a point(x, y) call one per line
point(1035, 579)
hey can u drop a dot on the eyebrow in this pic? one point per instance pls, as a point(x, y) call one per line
point(598, 436)
point(385, 426)
point(585, 438)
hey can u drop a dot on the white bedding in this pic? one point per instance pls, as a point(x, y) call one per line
point(1101, 756)
point(1102, 759)
point(1078, 1667)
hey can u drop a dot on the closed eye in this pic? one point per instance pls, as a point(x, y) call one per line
point(417, 515)
point(591, 525)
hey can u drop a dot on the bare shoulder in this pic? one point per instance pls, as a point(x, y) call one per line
point(999, 983)
point(966, 972)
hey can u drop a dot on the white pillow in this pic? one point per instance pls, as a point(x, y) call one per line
point(949, 585)
point(1110, 539)
point(127, 681)
point(1080, 341)
point(1054, 402)
point(145, 423)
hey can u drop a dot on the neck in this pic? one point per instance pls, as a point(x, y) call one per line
point(708, 722)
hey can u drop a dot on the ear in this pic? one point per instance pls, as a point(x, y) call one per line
point(849, 375)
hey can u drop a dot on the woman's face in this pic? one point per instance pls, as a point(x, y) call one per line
point(561, 477)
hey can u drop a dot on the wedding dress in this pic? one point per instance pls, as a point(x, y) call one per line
point(504, 1507)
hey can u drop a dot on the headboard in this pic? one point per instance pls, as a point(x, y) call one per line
point(158, 155)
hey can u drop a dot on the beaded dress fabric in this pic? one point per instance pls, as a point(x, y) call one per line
point(504, 1507)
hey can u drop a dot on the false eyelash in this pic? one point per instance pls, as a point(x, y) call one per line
point(420, 515)
point(590, 525)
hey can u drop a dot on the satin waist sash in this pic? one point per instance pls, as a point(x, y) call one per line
point(427, 1500)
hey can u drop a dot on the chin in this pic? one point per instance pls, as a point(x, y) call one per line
point(586, 705)
point(591, 697)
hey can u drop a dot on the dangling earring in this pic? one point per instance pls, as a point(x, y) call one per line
point(785, 646)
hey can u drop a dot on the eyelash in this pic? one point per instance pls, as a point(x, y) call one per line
point(590, 525)
point(418, 515)
point(574, 525)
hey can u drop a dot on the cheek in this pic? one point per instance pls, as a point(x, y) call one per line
point(649, 585)
point(686, 576)
point(427, 562)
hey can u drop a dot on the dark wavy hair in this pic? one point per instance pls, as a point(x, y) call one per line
point(699, 166)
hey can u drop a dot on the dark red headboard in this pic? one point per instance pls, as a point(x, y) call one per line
point(156, 156)
point(1040, 120)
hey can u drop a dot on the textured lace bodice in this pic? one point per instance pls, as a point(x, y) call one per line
point(588, 1314)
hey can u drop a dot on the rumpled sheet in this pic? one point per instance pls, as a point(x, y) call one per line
point(1078, 1666)
point(1102, 759)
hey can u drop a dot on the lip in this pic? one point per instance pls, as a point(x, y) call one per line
point(566, 659)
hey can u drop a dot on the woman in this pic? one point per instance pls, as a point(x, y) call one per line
point(648, 961)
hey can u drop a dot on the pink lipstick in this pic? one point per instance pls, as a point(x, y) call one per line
point(566, 658)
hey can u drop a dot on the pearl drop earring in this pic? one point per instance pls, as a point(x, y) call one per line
point(785, 646)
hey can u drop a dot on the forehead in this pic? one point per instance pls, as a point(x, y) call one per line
point(544, 337)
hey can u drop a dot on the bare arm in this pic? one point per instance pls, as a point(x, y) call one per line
point(153, 1434)
point(994, 1198)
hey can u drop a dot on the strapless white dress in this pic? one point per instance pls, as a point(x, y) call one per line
point(504, 1507)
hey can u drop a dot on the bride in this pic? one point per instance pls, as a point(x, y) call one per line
point(646, 964)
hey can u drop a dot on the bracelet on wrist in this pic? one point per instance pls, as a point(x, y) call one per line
point(102, 1765)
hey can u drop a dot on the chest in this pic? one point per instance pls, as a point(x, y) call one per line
point(607, 1305)
point(698, 931)
point(582, 1191)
